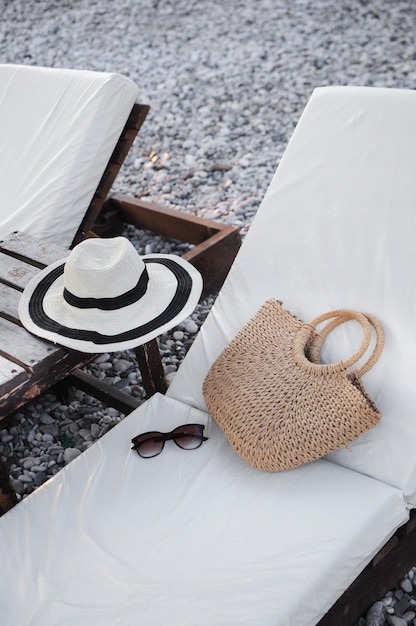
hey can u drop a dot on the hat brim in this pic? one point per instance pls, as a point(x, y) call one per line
point(174, 289)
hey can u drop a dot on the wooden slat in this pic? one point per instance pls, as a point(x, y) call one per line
point(163, 221)
point(15, 272)
point(31, 250)
point(9, 300)
point(43, 378)
point(20, 346)
point(131, 128)
point(11, 375)
point(151, 368)
point(104, 392)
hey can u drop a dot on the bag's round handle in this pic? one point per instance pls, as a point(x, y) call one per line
point(313, 351)
point(308, 357)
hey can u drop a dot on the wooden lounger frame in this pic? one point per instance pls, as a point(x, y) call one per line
point(384, 571)
point(134, 123)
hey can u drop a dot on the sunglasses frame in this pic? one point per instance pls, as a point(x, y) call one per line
point(168, 436)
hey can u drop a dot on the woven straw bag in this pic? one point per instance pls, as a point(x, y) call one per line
point(277, 404)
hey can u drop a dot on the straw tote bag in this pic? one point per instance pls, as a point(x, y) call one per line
point(277, 404)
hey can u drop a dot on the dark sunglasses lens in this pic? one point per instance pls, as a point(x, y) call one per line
point(188, 436)
point(148, 445)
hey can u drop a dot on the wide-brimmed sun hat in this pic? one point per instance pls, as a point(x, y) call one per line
point(105, 297)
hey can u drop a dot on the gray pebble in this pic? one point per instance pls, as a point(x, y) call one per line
point(406, 585)
point(70, 454)
point(121, 365)
point(102, 358)
point(40, 479)
point(46, 419)
point(105, 366)
point(191, 327)
point(25, 478)
point(394, 620)
point(376, 615)
point(17, 486)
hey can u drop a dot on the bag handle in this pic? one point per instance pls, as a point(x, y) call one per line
point(314, 350)
point(308, 357)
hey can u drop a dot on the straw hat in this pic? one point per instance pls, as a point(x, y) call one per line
point(105, 297)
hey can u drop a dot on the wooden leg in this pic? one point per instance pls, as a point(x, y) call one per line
point(8, 497)
point(151, 368)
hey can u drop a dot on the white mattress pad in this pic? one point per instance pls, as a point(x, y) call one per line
point(336, 230)
point(58, 129)
point(188, 537)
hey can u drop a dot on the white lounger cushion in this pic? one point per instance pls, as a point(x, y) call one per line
point(337, 229)
point(58, 129)
point(189, 537)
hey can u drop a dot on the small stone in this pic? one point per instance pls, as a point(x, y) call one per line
point(51, 429)
point(406, 585)
point(45, 418)
point(55, 450)
point(95, 431)
point(24, 478)
point(121, 365)
point(17, 486)
point(85, 434)
point(393, 620)
point(31, 436)
point(376, 615)
point(40, 478)
point(39, 468)
point(6, 438)
point(409, 616)
point(70, 454)
point(191, 327)
point(120, 384)
point(105, 366)
point(178, 335)
point(103, 358)
point(401, 606)
point(28, 463)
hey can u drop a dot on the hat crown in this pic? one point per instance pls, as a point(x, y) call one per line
point(103, 268)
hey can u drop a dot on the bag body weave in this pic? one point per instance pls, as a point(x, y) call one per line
point(277, 404)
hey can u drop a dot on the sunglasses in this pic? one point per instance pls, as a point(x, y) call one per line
point(187, 437)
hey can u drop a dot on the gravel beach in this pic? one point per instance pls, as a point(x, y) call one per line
point(226, 82)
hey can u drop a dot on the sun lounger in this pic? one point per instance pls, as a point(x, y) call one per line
point(200, 537)
point(65, 134)
point(59, 128)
